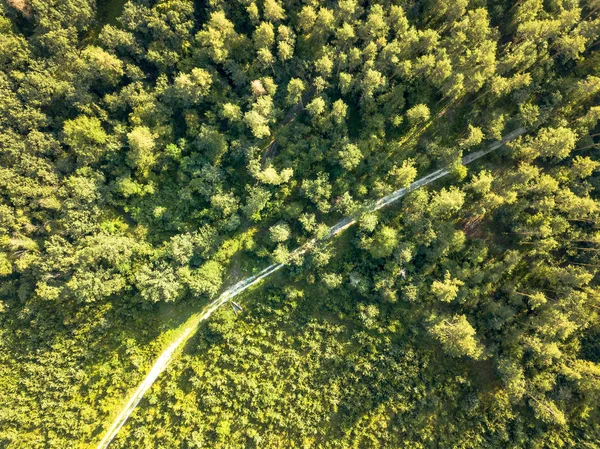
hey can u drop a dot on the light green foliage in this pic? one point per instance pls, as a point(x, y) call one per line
point(481, 183)
point(205, 280)
point(536, 300)
point(259, 117)
point(316, 107)
point(86, 137)
point(103, 64)
point(549, 143)
point(514, 379)
point(318, 191)
point(383, 242)
point(5, 265)
point(418, 114)
point(446, 202)
point(447, 289)
point(192, 87)
point(368, 222)
point(346, 32)
point(257, 123)
point(279, 232)
point(346, 204)
point(253, 12)
point(218, 36)
point(270, 85)
point(457, 336)
point(141, 150)
point(269, 175)
point(368, 315)
point(257, 200)
point(157, 284)
point(547, 411)
point(332, 280)
point(474, 138)
point(231, 112)
point(404, 175)
point(324, 66)
point(295, 88)
point(530, 113)
point(345, 82)
point(307, 17)
point(128, 187)
point(339, 111)
point(281, 254)
point(265, 57)
point(286, 40)
point(308, 221)
point(321, 231)
point(273, 10)
point(227, 203)
point(502, 86)
point(350, 156)
point(372, 82)
point(583, 167)
point(264, 36)
point(211, 143)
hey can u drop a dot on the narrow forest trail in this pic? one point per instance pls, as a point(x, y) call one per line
point(163, 360)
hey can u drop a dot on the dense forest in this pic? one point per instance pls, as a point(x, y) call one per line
point(154, 152)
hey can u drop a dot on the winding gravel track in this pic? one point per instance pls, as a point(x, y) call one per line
point(164, 359)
